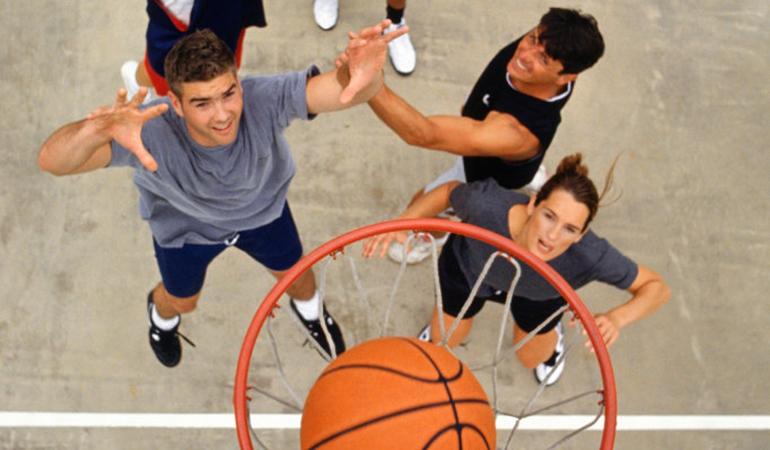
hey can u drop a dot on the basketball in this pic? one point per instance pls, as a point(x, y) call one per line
point(397, 393)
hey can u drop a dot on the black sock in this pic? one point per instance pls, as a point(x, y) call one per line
point(395, 15)
point(552, 360)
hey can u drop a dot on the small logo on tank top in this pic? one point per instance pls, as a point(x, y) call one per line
point(485, 99)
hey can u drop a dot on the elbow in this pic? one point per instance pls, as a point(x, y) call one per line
point(45, 164)
point(665, 294)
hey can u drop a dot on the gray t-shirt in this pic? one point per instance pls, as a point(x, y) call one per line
point(486, 204)
point(202, 195)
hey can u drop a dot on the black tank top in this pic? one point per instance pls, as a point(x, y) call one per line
point(493, 93)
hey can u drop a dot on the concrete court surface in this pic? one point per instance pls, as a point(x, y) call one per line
point(681, 92)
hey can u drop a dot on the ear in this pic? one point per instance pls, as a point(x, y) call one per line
point(176, 103)
point(566, 78)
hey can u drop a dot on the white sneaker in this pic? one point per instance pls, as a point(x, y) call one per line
point(421, 249)
point(534, 186)
point(128, 73)
point(326, 13)
point(401, 51)
point(543, 370)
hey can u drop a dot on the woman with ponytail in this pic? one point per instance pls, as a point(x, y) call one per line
point(553, 225)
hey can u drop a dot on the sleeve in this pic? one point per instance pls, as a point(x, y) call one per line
point(285, 95)
point(462, 199)
point(482, 197)
point(615, 268)
point(121, 157)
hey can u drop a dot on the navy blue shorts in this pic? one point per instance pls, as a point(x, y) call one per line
point(275, 246)
point(527, 314)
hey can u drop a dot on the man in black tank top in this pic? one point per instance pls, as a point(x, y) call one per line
point(512, 113)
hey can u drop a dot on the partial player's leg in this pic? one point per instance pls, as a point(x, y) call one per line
point(537, 350)
point(454, 294)
point(182, 271)
point(463, 328)
point(543, 351)
point(400, 50)
point(277, 246)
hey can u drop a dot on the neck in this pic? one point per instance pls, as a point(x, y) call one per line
point(537, 90)
point(517, 219)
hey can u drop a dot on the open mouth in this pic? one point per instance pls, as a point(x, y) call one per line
point(224, 129)
point(519, 64)
point(543, 247)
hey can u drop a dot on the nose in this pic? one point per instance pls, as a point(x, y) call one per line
point(553, 233)
point(220, 112)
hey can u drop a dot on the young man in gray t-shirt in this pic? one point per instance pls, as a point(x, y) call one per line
point(212, 167)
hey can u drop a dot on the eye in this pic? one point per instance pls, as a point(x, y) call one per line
point(201, 105)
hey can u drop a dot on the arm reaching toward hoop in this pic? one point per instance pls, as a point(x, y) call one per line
point(426, 206)
point(84, 146)
point(648, 293)
point(359, 77)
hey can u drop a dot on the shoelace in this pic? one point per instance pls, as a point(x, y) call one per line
point(177, 333)
point(186, 339)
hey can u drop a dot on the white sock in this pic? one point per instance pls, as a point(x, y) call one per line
point(308, 309)
point(164, 324)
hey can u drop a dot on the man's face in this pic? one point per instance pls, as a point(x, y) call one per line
point(553, 225)
point(532, 65)
point(212, 109)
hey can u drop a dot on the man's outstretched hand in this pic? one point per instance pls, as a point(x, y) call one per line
point(365, 56)
point(124, 121)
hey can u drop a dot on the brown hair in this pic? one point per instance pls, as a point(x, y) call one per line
point(572, 176)
point(200, 56)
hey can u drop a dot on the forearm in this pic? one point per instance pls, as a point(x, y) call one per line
point(72, 145)
point(408, 123)
point(324, 90)
point(431, 203)
point(644, 302)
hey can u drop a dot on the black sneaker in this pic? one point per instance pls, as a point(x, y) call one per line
point(314, 329)
point(165, 343)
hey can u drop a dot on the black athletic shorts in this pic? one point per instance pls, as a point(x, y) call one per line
point(527, 314)
point(275, 245)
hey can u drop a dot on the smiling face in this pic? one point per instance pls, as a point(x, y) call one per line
point(553, 225)
point(531, 65)
point(211, 109)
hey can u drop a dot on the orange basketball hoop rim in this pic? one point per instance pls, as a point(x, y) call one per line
point(338, 244)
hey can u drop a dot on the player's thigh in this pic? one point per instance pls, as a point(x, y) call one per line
point(183, 269)
point(276, 245)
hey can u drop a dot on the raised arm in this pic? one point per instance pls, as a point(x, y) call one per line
point(499, 135)
point(428, 205)
point(85, 145)
point(358, 75)
point(648, 293)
